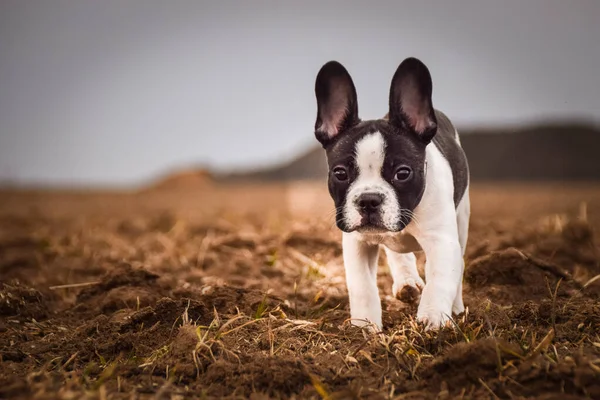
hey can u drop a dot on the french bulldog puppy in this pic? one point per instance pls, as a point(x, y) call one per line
point(401, 182)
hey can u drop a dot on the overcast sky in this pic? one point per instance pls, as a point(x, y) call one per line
point(113, 91)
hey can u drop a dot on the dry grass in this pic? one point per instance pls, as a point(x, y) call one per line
point(197, 294)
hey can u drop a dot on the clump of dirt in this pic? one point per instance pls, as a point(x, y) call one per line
point(186, 341)
point(122, 287)
point(19, 302)
point(569, 243)
point(464, 364)
point(509, 276)
point(574, 319)
point(273, 376)
point(571, 375)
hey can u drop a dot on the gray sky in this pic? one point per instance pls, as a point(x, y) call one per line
point(114, 92)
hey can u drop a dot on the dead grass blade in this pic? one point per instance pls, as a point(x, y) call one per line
point(544, 344)
point(594, 279)
point(485, 385)
point(318, 385)
point(74, 285)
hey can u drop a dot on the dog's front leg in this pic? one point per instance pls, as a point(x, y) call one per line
point(443, 276)
point(360, 263)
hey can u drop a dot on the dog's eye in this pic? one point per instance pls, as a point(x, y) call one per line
point(403, 174)
point(340, 174)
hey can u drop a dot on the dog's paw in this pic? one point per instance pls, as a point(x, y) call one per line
point(434, 320)
point(372, 327)
point(458, 307)
point(409, 290)
point(434, 315)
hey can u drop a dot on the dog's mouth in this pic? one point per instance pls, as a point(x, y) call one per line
point(372, 229)
point(374, 224)
point(371, 223)
point(371, 220)
point(363, 227)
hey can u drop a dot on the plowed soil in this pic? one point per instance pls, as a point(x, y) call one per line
point(239, 292)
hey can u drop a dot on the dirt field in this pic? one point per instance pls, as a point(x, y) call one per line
point(236, 292)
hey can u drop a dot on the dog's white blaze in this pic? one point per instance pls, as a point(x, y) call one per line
point(370, 154)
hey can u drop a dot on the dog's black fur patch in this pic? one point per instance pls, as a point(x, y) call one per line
point(445, 141)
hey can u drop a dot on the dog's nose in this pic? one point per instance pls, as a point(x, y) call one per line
point(369, 201)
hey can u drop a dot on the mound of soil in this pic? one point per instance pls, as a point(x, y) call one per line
point(22, 302)
point(509, 276)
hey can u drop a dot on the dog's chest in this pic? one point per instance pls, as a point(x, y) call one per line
point(401, 242)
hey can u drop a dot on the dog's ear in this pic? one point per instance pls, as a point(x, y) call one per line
point(410, 99)
point(337, 107)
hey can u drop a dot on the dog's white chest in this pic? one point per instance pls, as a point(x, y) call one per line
point(400, 242)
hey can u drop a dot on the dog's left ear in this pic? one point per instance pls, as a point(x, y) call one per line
point(410, 99)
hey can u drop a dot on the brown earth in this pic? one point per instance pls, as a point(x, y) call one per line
point(238, 292)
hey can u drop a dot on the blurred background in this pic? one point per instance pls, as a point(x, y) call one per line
point(119, 94)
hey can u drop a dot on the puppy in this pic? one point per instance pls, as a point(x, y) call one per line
point(401, 182)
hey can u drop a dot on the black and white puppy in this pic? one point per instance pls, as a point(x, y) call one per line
point(401, 182)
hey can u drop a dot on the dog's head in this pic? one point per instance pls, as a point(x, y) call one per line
point(377, 167)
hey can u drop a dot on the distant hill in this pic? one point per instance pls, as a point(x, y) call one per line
point(310, 165)
point(182, 179)
point(544, 152)
point(538, 153)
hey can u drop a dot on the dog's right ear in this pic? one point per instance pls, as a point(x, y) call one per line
point(337, 107)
